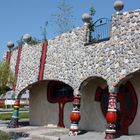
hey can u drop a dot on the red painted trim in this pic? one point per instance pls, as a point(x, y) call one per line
point(42, 60)
point(98, 94)
point(127, 121)
point(50, 87)
point(61, 101)
point(123, 89)
point(8, 57)
point(61, 114)
point(17, 64)
point(132, 92)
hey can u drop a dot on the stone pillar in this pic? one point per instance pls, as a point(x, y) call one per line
point(75, 115)
point(111, 115)
point(14, 121)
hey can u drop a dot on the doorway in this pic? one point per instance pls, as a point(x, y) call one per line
point(126, 105)
point(61, 93)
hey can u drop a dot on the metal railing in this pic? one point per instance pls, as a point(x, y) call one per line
point(102, 29)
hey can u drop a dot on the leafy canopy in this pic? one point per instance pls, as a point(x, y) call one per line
point(92, 13)
point(7, 78)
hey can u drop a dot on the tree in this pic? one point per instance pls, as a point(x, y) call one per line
point(63, 19)
point(92, 13)
point(7, 78)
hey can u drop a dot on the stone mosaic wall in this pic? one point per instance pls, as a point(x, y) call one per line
point(28, 67)
point(70, 61)
point(13, 59)
point(64, 57)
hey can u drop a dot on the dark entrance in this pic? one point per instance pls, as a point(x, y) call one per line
point(61, 93)
point(126, 105)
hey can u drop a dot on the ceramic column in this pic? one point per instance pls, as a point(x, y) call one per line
point(111, 115)
point(75, 115)
point(14, 121)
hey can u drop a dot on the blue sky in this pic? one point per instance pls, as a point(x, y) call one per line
point(18, 17)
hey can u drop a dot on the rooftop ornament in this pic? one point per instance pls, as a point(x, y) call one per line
point(86, 17)
point(10, 45)
point(118, 6)
point(26, 38)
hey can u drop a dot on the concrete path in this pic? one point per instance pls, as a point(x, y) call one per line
point(47, 133)
point(54, 133)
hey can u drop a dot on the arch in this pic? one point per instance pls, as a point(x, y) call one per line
point(61, 93)
point(126, 105)
point(86, 80)
point(127, 77)
point(131, 89)
point(134, 79)
point(54, 109)
point(91, 115)
point(29, 86)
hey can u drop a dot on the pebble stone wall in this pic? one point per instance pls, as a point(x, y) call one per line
point(28, 67)
point(71, 61)
point(13, 59)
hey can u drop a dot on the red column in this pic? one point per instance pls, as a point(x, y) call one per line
point(17, 65)
point(61, 114)
point(8, 57)
point(111, 117)
point(42, 60)
point(75, 116)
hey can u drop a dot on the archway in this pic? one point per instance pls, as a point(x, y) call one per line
point(126, 105)
point(61, 93)
point(50, 103)
point(92, 117)
point(134, 78)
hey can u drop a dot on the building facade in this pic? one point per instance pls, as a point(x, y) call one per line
point(98, 81)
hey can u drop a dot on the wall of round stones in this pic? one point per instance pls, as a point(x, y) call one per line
point(13, 60)
point(29, 66)
point(70, 61)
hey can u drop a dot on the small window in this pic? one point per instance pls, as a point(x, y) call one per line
point(58, 92)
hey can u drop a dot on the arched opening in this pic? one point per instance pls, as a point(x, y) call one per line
point(61, 93)
point(92, 117)
point(134, 79)
point(126, 105)
point(50, 103)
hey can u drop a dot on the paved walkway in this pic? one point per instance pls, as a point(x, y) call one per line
point(54, 133)
point(47, 133)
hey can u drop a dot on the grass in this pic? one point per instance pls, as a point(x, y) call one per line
point(7, 116)
point(4, 135)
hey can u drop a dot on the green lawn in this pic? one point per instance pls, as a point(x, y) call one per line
point(7, 116)
point(4, 136)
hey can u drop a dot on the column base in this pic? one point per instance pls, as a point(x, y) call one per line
point(110, 136)
point(73, 132)
point(110, 131)
point(13, 123)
